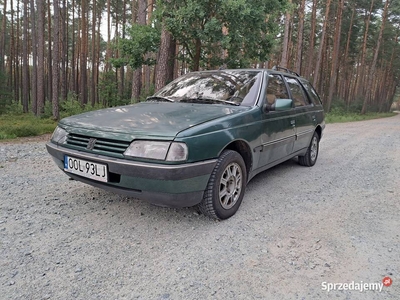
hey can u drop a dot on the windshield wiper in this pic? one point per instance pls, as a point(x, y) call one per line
point(159, 98)
point(208, 100)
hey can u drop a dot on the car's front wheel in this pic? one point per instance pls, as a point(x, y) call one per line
point(226, 187)
point(310, 158)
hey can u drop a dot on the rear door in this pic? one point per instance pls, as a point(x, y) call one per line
point(305, 117)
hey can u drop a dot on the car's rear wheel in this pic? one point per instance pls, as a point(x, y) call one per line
point(310, 158)
point(226, 187)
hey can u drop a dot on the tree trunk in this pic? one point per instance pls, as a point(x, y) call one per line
point(335, 56)
point(11, 66)
point(49, 55)
point(25, 66)
point(122, 69)
point(197, 53)
point(83, 55)
point(285, 47)
point(73, 53)
point(147, 69)
point(17, 57)
point(299, 57)
point(108, 50)
point(98, 57)
point(3, 38)
point(317, 71)
point(134, 11)
point(63, 52)
point(40, 68)
point(171, 61)
point(56, 60)
point(163, 57)
point(361, 66)
point(137, 75)
point(373, 66)
point(77, 51)
point(346, 81)
point(93, 77)
point(310, 55)
point(34, 78)
point(116, 54)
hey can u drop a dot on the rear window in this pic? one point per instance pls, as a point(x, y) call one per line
point(298, 95)
point(312, 94)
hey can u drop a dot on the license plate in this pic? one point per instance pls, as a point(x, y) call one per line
point(85, 168)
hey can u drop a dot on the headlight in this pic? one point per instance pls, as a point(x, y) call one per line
point(157, 150)
point(177, 152)
point(59, 135)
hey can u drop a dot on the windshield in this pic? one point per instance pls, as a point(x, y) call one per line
point(234, 87)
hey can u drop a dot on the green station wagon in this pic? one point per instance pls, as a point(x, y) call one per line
point(197, 141)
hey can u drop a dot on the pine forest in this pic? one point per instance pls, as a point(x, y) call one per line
point(114, 52)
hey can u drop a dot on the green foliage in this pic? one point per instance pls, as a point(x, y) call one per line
point(69, 107)
point(5, 94)
point(72, 106)
point(14, 109)
point(252, 29)
point(15, 123)
point(146, 93)
point(243, 29)
point(339, 107)
point(142, 39)
point(342, 112)
point(108, 88)
point(334, 117)
point(21, 125)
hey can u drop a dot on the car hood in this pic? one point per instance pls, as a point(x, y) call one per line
point(157, 119)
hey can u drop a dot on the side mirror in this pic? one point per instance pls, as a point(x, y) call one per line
point(279, 105)
point(283, 104)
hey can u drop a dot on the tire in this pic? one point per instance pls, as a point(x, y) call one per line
point(310, 158)
point(226, 187)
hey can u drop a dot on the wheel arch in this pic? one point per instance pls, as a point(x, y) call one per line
point(244, 150)
point(318, 130)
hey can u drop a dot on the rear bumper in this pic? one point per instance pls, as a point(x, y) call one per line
point(166, 185)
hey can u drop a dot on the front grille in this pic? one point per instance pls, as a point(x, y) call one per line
point(99, 145)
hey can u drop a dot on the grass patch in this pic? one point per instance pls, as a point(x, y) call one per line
point(351, 117)
point(15, 123)
point(21, 125)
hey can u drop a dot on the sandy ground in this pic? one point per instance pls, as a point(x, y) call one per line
point(298, 230)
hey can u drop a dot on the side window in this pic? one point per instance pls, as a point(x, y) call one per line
point(311, 93)
point(298, 96)
point(276, 89)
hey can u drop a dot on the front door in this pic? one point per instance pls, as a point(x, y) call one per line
point(278, 127)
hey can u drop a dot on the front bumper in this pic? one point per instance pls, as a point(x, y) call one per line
point(166, 185)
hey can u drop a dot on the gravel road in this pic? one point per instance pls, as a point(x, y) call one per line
point(298, 227)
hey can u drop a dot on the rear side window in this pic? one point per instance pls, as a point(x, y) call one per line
point(298, 95)
point(276, 89)
point(311, 93)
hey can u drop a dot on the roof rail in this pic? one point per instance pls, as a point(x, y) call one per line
point(286, 70)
